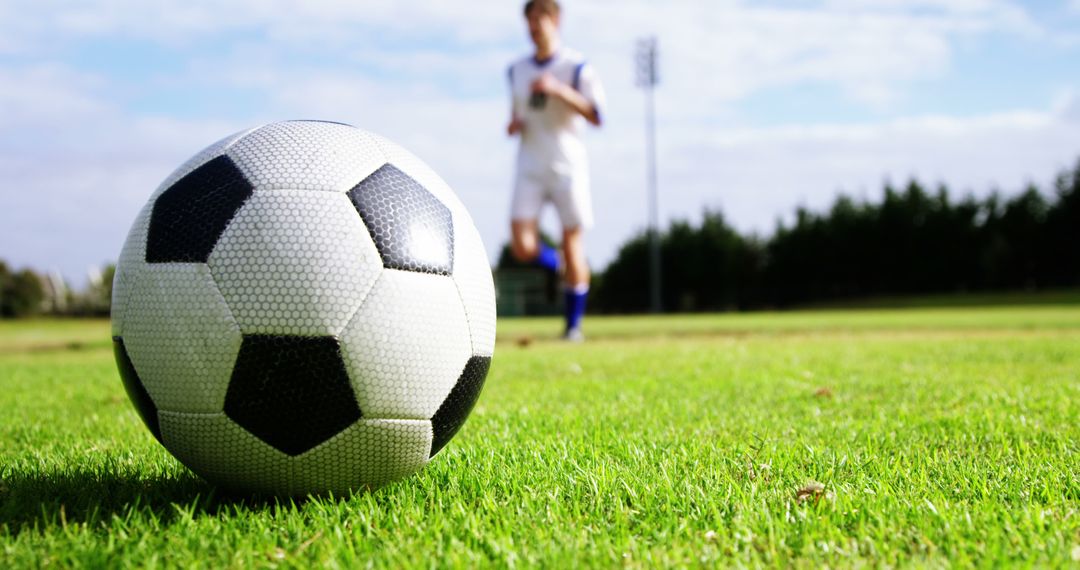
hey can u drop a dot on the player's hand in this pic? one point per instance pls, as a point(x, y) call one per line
point(516, 126)
point(547, 84)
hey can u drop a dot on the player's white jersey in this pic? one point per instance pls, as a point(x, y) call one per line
point(551, 138)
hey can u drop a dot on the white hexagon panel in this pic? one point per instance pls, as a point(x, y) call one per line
point(295, 262)
point(181, 337)
point(215, 447)
point(129, 264)
point(472, 275)
point(307, 155)
point(301, 308)
point(376, 452)
point(403, 367)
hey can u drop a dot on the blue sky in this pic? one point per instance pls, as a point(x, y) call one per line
point(764, 106)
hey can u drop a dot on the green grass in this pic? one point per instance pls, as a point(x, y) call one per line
point(982, 299)
point(940, 436)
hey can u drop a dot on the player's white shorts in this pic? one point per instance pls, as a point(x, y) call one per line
point(568, 192)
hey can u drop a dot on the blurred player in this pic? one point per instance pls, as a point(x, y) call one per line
point(553, 93)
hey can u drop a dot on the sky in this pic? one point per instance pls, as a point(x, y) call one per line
point(763, 106)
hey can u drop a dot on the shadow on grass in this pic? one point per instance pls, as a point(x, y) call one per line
point(37, 501)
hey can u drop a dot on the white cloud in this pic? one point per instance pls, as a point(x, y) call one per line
point(716, 53)
point(47, 94)
point(763, 173)
point(1067, 106)
point(183, 22)
point(735, 42)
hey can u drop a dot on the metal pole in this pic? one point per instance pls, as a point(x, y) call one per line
point(647, 80)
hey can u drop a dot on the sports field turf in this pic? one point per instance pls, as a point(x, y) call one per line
point(915, 437)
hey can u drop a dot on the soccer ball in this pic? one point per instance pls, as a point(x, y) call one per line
point(303, 307)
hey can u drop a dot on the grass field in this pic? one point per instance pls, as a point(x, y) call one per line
point(923, 437)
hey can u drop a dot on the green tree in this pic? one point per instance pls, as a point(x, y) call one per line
point(1063, 230)
point(705, 267)
point(21, 293)
point(912, 241)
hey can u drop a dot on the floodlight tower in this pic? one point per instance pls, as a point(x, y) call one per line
point(647, 78)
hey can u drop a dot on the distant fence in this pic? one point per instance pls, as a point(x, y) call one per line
point(524, 292)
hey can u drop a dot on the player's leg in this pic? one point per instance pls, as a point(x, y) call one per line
point(525, 244)
point(574, 204)
point(577, 281)
point(577, 269)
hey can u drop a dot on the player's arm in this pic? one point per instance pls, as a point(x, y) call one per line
point(516, 124)
point(547, 83)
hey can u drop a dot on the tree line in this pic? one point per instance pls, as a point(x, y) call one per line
point(912, 241)
point(26, 293)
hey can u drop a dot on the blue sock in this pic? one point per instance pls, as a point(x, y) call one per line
point(548, 258)
point(575, 305)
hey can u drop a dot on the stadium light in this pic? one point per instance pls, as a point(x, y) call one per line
point(647, 79)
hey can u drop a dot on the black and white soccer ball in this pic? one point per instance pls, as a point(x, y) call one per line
point(303, 307)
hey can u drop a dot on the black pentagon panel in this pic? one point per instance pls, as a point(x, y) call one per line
point(452, 413)
point(191, 215)
point(135, 390)
point(291, 392)
point(411, 227)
